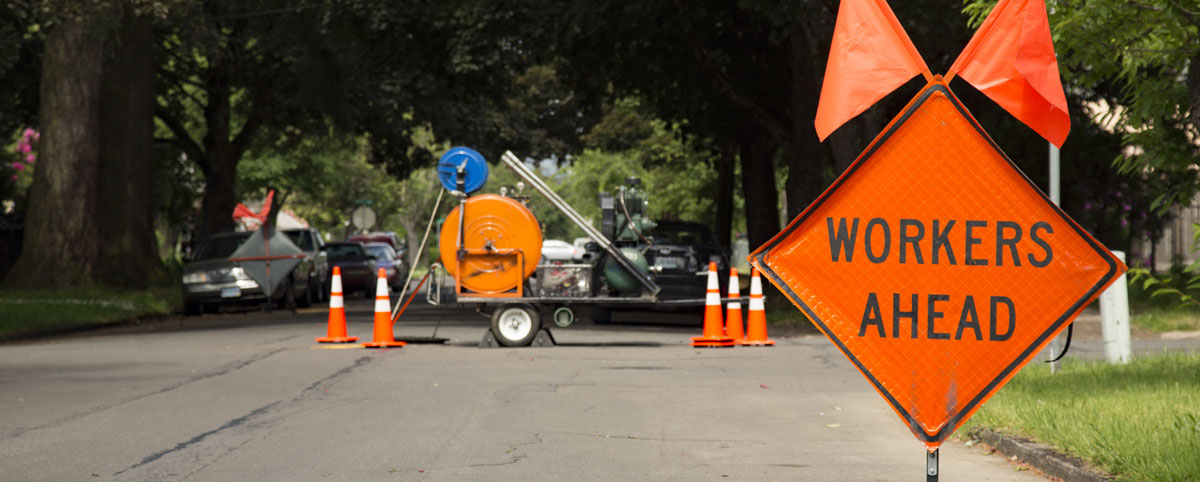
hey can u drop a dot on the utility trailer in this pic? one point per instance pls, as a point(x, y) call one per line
point(472, 259)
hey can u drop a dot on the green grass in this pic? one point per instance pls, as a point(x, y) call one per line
point(1139, 421)
point(1160, 320)
point(31, 312)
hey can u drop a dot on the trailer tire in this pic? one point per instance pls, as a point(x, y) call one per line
point(515, 324)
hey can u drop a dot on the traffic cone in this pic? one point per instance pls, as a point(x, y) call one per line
point(714, 330)
point(756, 322)
point(383, 337)
point(733, 313)
point(337, 313)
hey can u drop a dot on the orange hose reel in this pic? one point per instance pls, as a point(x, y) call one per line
point(502, 242)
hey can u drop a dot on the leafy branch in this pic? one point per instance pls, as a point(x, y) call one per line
point(1160, 287)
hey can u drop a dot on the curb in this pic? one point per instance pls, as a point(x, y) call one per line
point(1041, 456)
point(82, 328)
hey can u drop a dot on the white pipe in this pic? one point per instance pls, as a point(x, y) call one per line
point(523, 171)
point(1114, 319)
point(1057, 343)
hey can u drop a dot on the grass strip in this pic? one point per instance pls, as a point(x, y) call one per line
point(1139, 421)
point(1161, 320)
point(30, 312)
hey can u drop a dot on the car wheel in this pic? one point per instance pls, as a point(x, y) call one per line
point(319, 290)
point(289, 297)
point(306, 300)
point(515, 324)
point(192, 308)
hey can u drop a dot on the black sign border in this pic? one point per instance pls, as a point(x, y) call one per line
point(953, 422)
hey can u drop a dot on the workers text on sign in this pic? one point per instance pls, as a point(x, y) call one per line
point(999, 313)
point(912, 245)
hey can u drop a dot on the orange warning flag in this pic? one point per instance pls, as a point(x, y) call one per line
point(1011, 60)
point(870, 57)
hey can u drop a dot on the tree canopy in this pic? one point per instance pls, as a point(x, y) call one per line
point(710, 103)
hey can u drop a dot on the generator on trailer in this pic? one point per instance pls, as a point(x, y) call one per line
point(490, 249)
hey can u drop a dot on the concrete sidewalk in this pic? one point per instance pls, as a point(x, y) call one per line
point(1087, 341)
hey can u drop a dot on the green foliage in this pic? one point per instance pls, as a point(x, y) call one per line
point(1180, 287)
point(20, 67)
point(1137, 58)
point(626, 142)
point(1137, 421)
point(321, 179)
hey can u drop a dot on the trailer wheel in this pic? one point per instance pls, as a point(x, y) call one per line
point(515, 324)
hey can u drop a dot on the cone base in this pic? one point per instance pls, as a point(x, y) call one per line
point(384, 344)
point(759, 343)
point(713, 341)
point(337, 339)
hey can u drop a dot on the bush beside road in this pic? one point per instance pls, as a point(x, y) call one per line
point(1139, 421)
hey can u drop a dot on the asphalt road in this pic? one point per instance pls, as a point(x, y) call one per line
point(252, 397)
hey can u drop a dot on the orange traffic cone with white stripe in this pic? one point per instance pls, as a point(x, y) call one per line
point(383, 337)
point(756, 322)
point(337, 313)
point(733, 312)
point(714, 327)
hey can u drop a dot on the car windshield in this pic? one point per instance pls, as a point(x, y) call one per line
point(219, 248)
point(380, 252)
point(687, 235)
point(301, 239)
point(344, 250)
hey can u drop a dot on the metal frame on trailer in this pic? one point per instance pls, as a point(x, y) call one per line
point(523, 171)
point(435, 296)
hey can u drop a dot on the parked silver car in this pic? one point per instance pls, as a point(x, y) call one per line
point(210, 279)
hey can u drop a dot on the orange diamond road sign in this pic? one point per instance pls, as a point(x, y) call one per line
point(936, 266)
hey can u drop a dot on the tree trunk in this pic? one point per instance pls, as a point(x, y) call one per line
point(725, 181)
point(128, 249)
point(220, 168)
point(758, 188)
point(61, 245)
point(806, 157)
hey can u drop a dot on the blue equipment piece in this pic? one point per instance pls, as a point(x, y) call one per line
point(475, 169)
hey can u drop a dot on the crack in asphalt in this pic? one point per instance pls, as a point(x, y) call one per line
point(280, 340)
point(515, 458)
point(497, 464)
point(199, 438)
point(655, 439)
point(228, 451)
point(333, 377)
point(222, 370)
point(264, 410)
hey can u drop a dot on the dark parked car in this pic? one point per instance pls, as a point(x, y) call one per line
point(358, 267)
point(309, 240)
point(388, 237)
point(210, 279)
point(393, 266)
point(679, 254)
